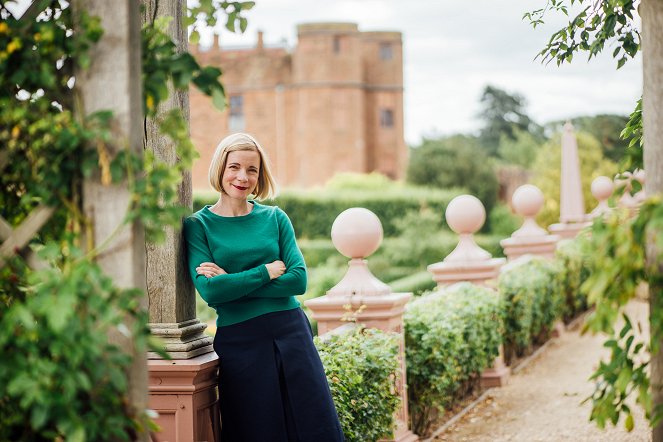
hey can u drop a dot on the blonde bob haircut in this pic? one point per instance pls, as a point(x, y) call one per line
point(266, 187)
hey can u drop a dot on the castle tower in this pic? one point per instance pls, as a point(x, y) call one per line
point(328, 102)
point(383, 78)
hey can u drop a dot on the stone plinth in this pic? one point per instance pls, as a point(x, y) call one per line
point(184, 393)
point(497, 375)
point(467, 262)
point(530, 238)
point(182, 340)
point(568, 230)
point(362, 298)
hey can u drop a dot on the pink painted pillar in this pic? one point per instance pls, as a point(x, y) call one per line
point(363, 298)
point(530, 239)
point(572, 205)
point(468, 262)
point(602, 188)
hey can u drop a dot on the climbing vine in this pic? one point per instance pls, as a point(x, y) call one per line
point(61, 378)
point(622, 243)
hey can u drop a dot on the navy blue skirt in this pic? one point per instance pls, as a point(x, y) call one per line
point(272, 386)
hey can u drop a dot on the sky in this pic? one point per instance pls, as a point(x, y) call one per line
point(453, 49)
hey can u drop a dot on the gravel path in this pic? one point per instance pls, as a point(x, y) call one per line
point(542, 401)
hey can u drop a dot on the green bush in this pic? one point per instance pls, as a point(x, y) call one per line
point(531, 294)
point(456, 161)
point(502, 221)
point(317, 251)
point(451, 336)
point(416, 283)
point(313, 212)
point(361, 181)
point(572, 257)
point(362, 367)
point(60, 376)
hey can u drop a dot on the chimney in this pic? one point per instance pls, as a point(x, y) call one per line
point(260, 45)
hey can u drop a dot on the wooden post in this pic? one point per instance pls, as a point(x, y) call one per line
point(182, 391)
point(113, 82)
point(651, 12)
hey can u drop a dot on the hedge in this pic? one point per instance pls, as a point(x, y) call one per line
point(416, 283)
point(313, 212)
point(362, 367)
point(532, 300)
point(451, 336)
point(572, 257)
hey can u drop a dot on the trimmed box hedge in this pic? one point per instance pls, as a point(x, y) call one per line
point(532, 300)
point(451, 336)
point(313, 212)
point(362, 367)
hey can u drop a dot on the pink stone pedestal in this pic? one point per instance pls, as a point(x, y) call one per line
point(184, 393)
point(362, 298)
point(497, 375)
point(384, 312)
point(465, 215)
point(530, 238)
point(568, 230)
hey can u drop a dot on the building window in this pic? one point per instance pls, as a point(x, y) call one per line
point(386, 118)
point(337, 45)
point(236, 120)
point(386, 52)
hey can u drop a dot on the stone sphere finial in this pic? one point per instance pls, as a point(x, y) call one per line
point(527, 200)
point(357, 232)
point(465, 214)
point(602, 188)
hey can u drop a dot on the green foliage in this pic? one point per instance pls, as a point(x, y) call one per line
point(503, 115)
point(547, 173)
point(597, 24)
point(532, 300)
point(451, 336)
point(373, 181)
point(61, 377)
point(616, 270)
point(362, 369)
point(456, 161)
point(572, 256)
point(633, 130)
point(503, 222)
point(313, 212)
point(208, 12)
point(520, 148)
point(606, 129)
point(416, 283)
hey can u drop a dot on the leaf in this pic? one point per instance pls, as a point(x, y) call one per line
point(218, 99)
point(628, 423)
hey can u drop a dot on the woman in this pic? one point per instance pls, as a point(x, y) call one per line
point(245, 263)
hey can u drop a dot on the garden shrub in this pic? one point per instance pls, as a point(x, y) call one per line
point(313, 212)
point(532, 300)
point(362, 367)
point(572, 257)
point(416, 283)
point(451, 336)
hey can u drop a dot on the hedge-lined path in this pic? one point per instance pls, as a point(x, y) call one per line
point(542, 401)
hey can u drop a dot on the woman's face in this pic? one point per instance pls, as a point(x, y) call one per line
point(240, 177)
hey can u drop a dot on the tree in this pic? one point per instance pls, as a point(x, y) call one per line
point(606, 128)
point(455, 161)
point(520, 150)
point(503, 115)
point(629, 251)
point(547, 172)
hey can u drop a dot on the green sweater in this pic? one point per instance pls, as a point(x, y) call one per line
point(242, 245)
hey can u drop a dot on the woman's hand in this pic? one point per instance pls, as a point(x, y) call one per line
point(275, 269)
point(210, 270)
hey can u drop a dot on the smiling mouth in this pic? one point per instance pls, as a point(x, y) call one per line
point(240, 187)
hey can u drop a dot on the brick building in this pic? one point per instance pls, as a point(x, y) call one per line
point(332, 104)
